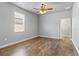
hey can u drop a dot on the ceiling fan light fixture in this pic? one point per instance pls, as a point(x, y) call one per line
point(44, 8)
point(43, 12)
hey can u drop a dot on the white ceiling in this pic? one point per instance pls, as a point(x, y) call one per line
point(57, 6)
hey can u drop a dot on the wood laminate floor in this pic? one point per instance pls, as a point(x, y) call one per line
point(41, 47)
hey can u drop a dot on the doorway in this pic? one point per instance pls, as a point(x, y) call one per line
point(65, 28)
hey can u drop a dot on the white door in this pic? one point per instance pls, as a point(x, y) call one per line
point(65, 28)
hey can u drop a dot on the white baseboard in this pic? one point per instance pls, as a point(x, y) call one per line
point(48, 37)
point(12, 43)
point(75, 47)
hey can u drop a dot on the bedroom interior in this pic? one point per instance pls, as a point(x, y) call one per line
point(39, 29)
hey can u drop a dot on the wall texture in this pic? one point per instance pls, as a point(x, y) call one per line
point(7, 34)
point(49, 24)
point(75, 25)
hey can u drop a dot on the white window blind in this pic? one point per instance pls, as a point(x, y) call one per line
point(19, 23)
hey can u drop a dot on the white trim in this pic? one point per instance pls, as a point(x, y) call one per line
point(75, 46)
point(12, 43)
point(49, 37)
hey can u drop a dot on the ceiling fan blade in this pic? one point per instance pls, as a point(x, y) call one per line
point(37, 12)
point(36, 8)
point(50, 9)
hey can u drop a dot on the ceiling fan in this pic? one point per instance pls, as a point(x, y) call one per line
point(43, 8)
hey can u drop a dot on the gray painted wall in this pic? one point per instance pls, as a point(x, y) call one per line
point(49, 25)
point(7, 24)
point(75, 25)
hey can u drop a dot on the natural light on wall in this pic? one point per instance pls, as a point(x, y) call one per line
point(19, 22)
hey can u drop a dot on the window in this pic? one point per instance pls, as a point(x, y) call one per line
point(19, 22)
